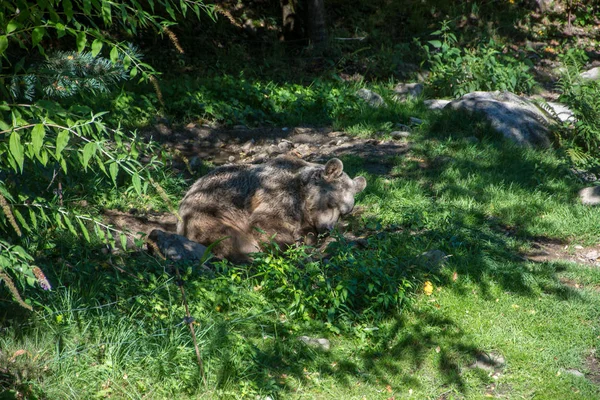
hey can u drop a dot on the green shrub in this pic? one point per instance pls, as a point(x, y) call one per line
point(456, 71)
point(581, 138)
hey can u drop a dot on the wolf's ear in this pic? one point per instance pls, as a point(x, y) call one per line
point(333, 169)
point(360, 183)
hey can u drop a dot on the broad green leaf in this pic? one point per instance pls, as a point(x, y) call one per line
point(37, 138)
point(4, 126)
point(96, 47)
point(20, 218)
point(69, 225)
point(126, 62)
point(12, 26)
point(68, 7)
point(16, 149)
point(88, 152)
point(81, 40)
point(3, 44)
point(60, 30)
point(37, 35)
point(114, 54)
point(33, 218)
point(106, 12)
point(133, 72)
point(58, 219)
point(137, 183)
point(114, 171)
point(435, 43)
point(123, 238)
point(84, 230)
point(61, 142)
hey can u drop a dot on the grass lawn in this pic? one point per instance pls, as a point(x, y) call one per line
point(495, 324)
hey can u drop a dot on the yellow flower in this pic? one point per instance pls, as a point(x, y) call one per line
point(428, 288)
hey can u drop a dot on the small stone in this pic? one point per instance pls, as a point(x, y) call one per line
point(405, 91)
point(579, 247)
point(240, 127)
point(284, 146)
point(416, 121)
point(372, 98)
point(592, 255)
point(247, 146)
point(590, 196)
point(575, 372)
point(399, 134)
point(231, 158)
point(322, 344)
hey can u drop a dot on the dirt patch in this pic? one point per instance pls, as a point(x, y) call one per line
point(197, 144)
point(547, 250)
point(593, 366)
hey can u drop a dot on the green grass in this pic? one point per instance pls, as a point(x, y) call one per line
point(112, 326)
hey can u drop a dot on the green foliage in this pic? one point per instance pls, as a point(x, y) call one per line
point(349, 286)
point(456, 70)
point(582, 137)
point(51, 151)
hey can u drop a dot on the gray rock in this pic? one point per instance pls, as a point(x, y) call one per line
point(402, 126)
point(590, 196)
point(592, 255)
point(415, 120)
point(436, 104)
point(433, 259)
point(592, 74)
point(249, 145)
point(562, 112)
point(489, 361)
point(176, 247)
point(399, 134)
point(284, 146)
point(405, 91)
point(322, 344)
point(574, 372)
point(372, 98)
point(513, 116)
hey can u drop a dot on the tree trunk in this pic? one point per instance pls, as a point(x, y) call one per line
point(317, 29)
point(292, 26)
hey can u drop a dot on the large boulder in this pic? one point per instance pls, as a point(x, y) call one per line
point(515, 117)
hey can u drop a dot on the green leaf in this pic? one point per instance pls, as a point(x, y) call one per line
point(137, 183)
point(123, 238)
point(114, 55)
point(3, 44)
point(114, 171)
point(435, 43)
point(88, 152)
point(133, 72)
point(16, 149)
point(69, 225)
point(126, 62)
point(37, 138)
point(68, 7)
point(84, 230)
point(12, 26)
point(24, 223)
point(96, 47)
point(61, 142)
point(106, 12)
point(81, 40)
point(37, 35)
